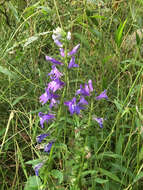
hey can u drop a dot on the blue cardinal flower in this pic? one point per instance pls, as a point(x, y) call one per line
point(47, 147)
point(55, 85)
point(37, 168)
point(76, 107)
point(69, 36)
point(45, 118)
point(40, 138)
point(102, 95)
point(48, 96)
point(82, 101)
point(55, 73)
point(88, 88)
point(74, 50)
point(58, 43)
point(52, 60)
point(62, 52)
point(99, 121)
point(72, 63)
point(57, 36)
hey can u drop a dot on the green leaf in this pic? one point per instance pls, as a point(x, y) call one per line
point(101, 181)
point(109, 154)
point(138, 40)
point(109, 174)
point(138, 177)
point(13, 10)
point(137, 63)
point(17, 100)
point(7, 72)
point(119, 144)
point(33, 162)
point(33, 183)
point(42, 109)
point(58, 175)
point(30, 40)
point(119, 33)
point(92, 172)
point(118, 105)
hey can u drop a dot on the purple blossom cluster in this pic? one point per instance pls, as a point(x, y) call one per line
point(51, 96)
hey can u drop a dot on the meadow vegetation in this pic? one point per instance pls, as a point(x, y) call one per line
point(83, 156)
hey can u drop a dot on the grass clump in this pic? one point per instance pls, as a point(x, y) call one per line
point(82, 155)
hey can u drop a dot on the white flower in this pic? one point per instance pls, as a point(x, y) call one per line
point(69, 35)
point(57, 34)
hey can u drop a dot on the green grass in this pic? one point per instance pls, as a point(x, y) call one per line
point(84, 156)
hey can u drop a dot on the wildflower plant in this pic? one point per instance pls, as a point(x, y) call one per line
point(61, 103)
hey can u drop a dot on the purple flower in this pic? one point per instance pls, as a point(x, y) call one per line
point(71, 104)
point(55, 85)
point(72, 63)
point(53, 60)
point(90, 85)
point(102, 95)
point(37, 167)
point(99, 121)
point(76, 107)
point(41, 137)
point(86, 90)
point(48, 96)
point(83, 101)
point(74, 50)
point(53, 102)
point(62, 52)
point(55, 73)
point(45, 118)
point(47, 147)
point(58, 43)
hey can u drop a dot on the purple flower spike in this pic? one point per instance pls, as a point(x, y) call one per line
point(72, 63)
point(74, 50)
point(55, 73)
point(37, 167)
point(48, 96)
point(99, 121)
point(41, 137)
point(102, 95)
point(53, 60)
point(45, 118)
point(47, 147)
point(55, 85)
point(62, 52)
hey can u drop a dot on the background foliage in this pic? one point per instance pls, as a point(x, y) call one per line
point(111, 55)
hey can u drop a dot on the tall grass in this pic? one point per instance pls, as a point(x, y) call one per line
point(84, 156)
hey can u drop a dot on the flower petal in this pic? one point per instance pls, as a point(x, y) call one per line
point(72, 63)
point(45, 118)
point(74, 50)
point(37, 168)
point(99, 121)
point(48, 58)
point(39, 138)
point(47, 147)
point(102, 95)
